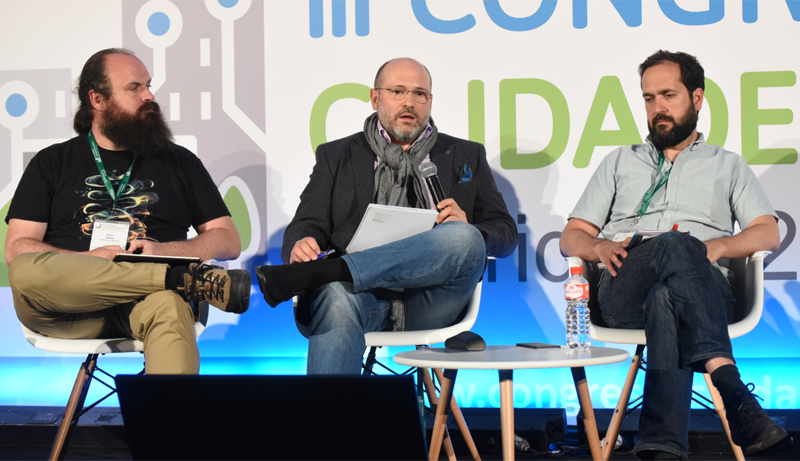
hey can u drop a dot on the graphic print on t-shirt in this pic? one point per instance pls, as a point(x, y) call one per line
point(132, 204)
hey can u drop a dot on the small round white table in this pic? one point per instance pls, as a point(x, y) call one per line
point(506, 359)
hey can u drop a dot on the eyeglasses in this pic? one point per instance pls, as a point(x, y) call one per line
point(420, 97)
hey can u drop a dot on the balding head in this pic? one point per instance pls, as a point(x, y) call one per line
point(401, 64)
point(402, 97)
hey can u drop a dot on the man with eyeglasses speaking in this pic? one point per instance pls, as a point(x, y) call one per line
point(349, 295)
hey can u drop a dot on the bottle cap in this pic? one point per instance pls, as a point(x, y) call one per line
point(575, 270)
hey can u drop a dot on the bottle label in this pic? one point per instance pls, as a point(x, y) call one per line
point(576, 291)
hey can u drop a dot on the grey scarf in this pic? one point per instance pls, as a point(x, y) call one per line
point(396, 173)
point(398, 170)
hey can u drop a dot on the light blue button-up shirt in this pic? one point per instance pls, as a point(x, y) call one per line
point(708, 189)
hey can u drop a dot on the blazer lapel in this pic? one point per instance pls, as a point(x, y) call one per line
point(363, 171)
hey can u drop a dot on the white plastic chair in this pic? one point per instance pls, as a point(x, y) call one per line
point(377, 339)
point(421, 338)
point(748, 288)
point(94, 348)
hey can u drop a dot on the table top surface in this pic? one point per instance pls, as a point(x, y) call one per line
point(510, 358)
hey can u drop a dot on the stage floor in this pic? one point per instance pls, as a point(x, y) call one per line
point(26, 433)
point(110, 454)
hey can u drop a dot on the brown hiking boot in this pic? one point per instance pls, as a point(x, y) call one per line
point(227, 290)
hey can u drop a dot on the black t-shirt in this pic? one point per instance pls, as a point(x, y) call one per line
point(165, 194)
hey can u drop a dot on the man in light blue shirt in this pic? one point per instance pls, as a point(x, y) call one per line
point(670, 285)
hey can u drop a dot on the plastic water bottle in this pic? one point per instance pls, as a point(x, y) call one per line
point(576, 291)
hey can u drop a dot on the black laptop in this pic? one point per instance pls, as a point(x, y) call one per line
point(271, 417)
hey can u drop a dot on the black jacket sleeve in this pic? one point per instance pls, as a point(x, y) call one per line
point(313, 215)
point(489, 212)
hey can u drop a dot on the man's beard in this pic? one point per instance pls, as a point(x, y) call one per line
point(663, 138)
point(391, 125)
point(144, 132)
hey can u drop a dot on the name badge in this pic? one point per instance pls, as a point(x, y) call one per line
point(625, 233)
point(108, 232)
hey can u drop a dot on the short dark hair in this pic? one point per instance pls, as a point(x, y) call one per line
point(692, 73)
point(93, 77)
point(380, 70)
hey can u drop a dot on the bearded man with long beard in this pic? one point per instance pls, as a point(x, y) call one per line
point(122, 168)
point(672, 285)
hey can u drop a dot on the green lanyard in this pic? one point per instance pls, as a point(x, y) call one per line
point(102, 169)
point(655, 186)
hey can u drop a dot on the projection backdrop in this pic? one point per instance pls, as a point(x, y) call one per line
point(550, 87)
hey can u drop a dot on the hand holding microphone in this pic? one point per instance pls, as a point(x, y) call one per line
point(449, 208)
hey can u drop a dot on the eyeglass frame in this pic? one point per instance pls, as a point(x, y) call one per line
point(406, 92)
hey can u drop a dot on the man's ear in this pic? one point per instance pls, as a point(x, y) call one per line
point(97, 100)
point(697, 99)
point(373, 97)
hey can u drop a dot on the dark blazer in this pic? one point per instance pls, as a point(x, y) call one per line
point(342, 182)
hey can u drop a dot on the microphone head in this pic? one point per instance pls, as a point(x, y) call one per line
point(428, 169)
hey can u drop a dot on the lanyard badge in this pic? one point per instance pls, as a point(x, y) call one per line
point(109, 231)
point(657, 184)
point(104, 175)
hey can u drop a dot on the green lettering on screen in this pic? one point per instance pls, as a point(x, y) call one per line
point(476, 104)
point(609, 92)
point(510, 159)
point(717, 113)
point(753, 117)
point(319, 111)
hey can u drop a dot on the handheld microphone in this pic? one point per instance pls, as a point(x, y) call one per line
point(429, 172)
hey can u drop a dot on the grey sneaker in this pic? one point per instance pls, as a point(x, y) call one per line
point(227, 290)
point(751, 428)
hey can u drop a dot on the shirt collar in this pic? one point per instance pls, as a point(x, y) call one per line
point(699, 142)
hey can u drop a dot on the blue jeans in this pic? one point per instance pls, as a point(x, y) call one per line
point(667, 286)
point(438, 270)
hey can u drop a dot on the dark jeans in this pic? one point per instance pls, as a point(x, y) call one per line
point(667, 286)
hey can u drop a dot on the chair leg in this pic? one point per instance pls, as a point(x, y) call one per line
point(74, 406)
point(622, 405)
point(370, 362)
point(720, 407)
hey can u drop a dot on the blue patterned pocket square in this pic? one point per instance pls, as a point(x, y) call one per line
point(466, 174)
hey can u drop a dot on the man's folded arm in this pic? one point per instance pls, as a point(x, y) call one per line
point(579, 238)
point(26, 237)
point(216, 239)
point(760, 234)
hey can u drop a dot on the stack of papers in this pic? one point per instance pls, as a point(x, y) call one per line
point(384, 224)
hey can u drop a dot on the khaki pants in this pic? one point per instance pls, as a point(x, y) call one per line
point(79, 296)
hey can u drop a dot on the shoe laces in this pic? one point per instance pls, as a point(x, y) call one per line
point(203, 276)
point(748, 412)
